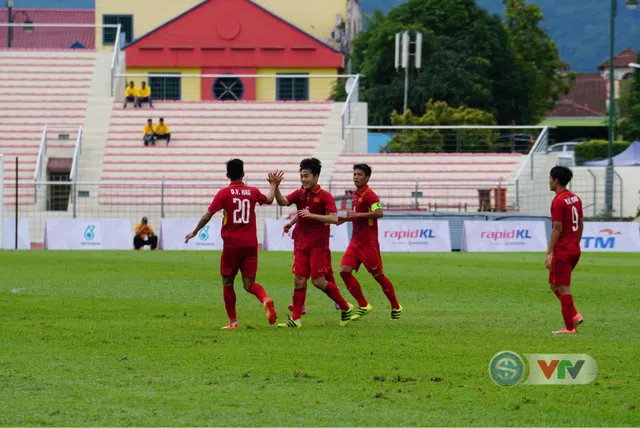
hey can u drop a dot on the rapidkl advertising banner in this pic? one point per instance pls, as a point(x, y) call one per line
point(88, 234)
point(611, 237)
point(504, 236)
point(276, 240)
point(414, 235)
point(173, 231)
point(9, 234)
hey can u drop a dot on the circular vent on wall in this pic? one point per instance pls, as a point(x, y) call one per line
point(228, 88)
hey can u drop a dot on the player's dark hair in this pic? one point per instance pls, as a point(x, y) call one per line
point(364, 168)
point(562, 174)
point(312, 164)
point(235, 169)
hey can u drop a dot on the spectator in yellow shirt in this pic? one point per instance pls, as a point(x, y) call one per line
point(149, 134)
point(161, 131)
point(144, 95)
point(130, 95)
point(145, 236)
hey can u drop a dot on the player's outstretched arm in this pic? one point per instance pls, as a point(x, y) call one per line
point(331, 218)
point(280, 199)
point(202, 223)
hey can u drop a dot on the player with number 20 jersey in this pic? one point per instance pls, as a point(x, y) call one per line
point(239, 236)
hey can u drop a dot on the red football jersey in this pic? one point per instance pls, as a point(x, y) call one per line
point(312, 233)
point(567, 208)
point(239, 223)
point(365, 231)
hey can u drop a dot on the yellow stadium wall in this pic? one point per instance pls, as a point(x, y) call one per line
point(319, 88)
point(191, 88)
point(316, 17)
point(147, 14)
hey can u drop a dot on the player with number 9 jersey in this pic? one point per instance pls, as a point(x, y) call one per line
point(239, 235)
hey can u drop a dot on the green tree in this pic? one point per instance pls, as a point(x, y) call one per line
point(628, 109)
point(439, 113)
point(535, 49)
point(467, 61)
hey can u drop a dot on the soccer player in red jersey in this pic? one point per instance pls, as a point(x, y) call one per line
point(240, 248)
point(316, 211)
point(364, 247)
point(563, 252)
point(328, 268)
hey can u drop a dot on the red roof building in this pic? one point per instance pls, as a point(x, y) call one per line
point(49, 37)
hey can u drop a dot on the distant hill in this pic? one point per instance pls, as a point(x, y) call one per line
point(580, 28)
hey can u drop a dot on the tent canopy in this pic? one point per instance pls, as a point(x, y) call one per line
point(629, 157)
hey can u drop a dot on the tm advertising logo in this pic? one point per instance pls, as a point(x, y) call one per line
point(89, 233)
point(507, 237)
point(607, 241)
point(415, 237)
point(507, 368)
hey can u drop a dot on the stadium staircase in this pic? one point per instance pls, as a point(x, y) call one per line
point(39, 88)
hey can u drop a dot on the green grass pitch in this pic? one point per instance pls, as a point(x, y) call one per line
point(133, 338)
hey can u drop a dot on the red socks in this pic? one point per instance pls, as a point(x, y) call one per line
point(229, 295)
point(333, 292)
point(330, 278)
point(566, 302)
point(354, 288)
point(299, 296)
point(388, 290)
point(574, 311)
point(258, 291)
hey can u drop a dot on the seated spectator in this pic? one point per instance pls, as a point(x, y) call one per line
point(162, 131)
point(144, 95)
point(149, 134)
point(130, 95)
point(144, 235)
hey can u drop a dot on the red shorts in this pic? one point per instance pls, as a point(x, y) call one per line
point(244, 259)
point(310, 262)
point(327, 266)
point(561, 268)
point(368, 256)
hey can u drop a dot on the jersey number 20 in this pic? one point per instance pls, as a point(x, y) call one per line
point(242, 212)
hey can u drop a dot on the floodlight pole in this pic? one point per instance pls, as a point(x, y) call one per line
point(402, 54)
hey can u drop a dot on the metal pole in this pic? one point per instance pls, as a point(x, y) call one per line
point(499, 196)
point(10, 21)
point(621, 192)
point(595, 190)
point(518, 193)
point(608, 190)
point(16, 234)
point(2, 201)
point(162, 198)
point(406, 87)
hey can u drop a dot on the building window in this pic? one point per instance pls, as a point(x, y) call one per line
point(292, 88)
point(166, 88)
point(228, 88)
point(109, 34)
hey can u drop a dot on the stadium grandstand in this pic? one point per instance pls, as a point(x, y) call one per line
point(258, 86)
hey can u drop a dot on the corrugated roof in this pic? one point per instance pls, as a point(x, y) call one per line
point(588, 97)
point(59, 164)
point(50, 38)
point(621, 60)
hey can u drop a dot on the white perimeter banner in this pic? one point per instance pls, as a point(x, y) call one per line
point(611, 237)
point(88, 234)
point(414, 236)
point(173, 231)
point(9, 234)
point(276, 240)
point(504, 236)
